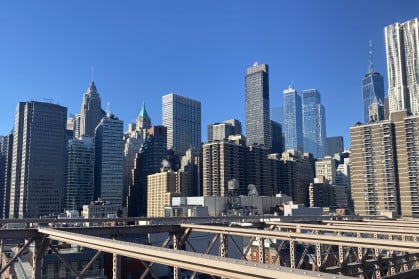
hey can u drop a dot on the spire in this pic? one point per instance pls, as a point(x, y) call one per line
point(92, 87)
point(370, 65)
point(143, 112)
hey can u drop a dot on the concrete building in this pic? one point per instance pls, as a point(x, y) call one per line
point(326, 167)
point(161, 187)
point(100, 209)
point(296, 175)
point(258, 130)
point(221, 131)
point(322, 194)
point(37, 177)
point(223, 161)
point(182, 117)
point(79, 173)
point(383, 166)
point(109, 160)
point(343, 185)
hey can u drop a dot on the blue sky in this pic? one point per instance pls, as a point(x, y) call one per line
point(142, 50)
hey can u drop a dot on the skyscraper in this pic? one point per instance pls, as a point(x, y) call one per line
point(293, 122)
point(79, 168)
point(148, 161)
point(314, 123)
point(221, 131)
point(334, 145)
point(91, 112)
point(37, 178)
point(109, 160)
point(258, 125)
point(182, 117)
point(402, 51)
point(6, 154)
point(372, 88)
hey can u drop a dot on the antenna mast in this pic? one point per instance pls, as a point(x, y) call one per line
point(371, 64)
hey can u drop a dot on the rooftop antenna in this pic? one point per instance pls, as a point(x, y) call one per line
point(371, 64)
point(108, 108)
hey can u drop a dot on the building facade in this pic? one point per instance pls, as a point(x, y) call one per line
point(91, 112)
point(108, 173)
point(148, 161)
point(37, 176)
point(79, 173)
point(314, 123)
point(182, 117)
point(293, 122)
point(258, 130)
point(372, 88)
point(402, 52)
point(334, 145)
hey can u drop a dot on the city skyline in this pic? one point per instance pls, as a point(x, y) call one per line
point(143, 51)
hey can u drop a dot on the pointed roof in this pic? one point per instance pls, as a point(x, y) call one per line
point(143, 113)
point(92, 87)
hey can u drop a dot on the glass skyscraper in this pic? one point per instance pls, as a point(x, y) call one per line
point(293, 123)
point(314, 123)
point(258, 125)
point(372, 88)
point(79, 178)
point(402, 50)
point(182, 117)
point(109, 160)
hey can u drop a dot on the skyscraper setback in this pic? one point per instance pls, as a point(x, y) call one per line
point(182, 117)
point(258, 125)
point(402, 49)
point(37, 178)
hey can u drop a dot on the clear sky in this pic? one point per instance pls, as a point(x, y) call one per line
point(142, 50)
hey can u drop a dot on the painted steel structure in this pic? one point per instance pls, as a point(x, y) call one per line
point(363, 248)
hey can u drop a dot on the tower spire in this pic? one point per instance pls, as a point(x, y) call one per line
point(371, 64)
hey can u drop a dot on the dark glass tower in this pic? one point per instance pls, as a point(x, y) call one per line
point(293, 122)
point(314, 123)
point(258, 125)
point(372, 88)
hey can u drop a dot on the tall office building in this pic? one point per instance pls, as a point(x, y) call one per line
point(258, 125)
point(326, 167)
point(334, 145)
point(221, 131)
point(79, 168)
point(277, 137)
point(148, 161)
point(91, 112)
point(108, 175)
point(402, 51)
point(133, 139)
point(6, 154)
point(314, 123)
point(182, 117)
point(37, 177)
point(372, 88)
point(293, 122)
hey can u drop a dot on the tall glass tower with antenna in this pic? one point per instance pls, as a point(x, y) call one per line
point(372, 88)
